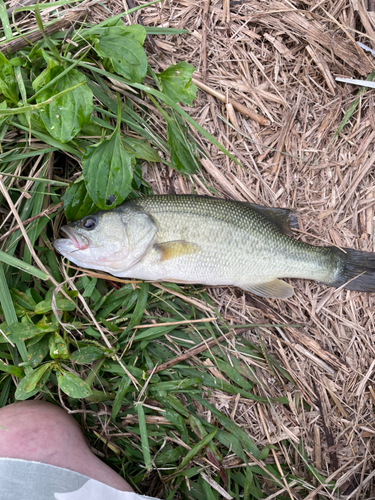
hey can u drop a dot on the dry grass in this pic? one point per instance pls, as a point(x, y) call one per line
point(280, 59)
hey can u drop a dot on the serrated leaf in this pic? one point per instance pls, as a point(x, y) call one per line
point(77, 201)
point(176, 82)
point(108, 172)
point(86, 355)
point(126, 55)
point(183, 154)
point(64, 117)
point(73, 386)
point(58, 347)
point(19, 332)
point(7, 80)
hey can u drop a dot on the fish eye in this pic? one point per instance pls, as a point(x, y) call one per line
point(90, 223)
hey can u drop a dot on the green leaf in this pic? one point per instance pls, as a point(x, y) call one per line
point(108, 172)
point(21, 394)
point(3, 105)
point(87, 355)
point(120, 395)
point(139, 309)
point(58, 347)
point(77, 201)
point(61, 304)
point(197, 447)
point(19, 331)
point(118, 29)
point(37, 352)
point(183, 154)
point(22, 299)
point(7, 80)
point(144, 437)
point(46, 326)
point(176, 83)
point(31, 380)
point(19, 264)
point(126, 55)
point(65, 116)
point(73, 386)
point(140, 149)
point(13, 370)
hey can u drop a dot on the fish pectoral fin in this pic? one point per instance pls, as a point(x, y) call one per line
point(173, 249)
point(275, 289)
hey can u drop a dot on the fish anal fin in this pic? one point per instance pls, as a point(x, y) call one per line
point(173, 249)
point(275, 289)
point(283, 218)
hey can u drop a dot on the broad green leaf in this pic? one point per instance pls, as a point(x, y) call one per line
point(126, 55)
point(87, 355)
point(58, 347)
point(32, 378)
point(135, 30)
point(183, 154)
point(19, 331)
point(176, 83)
point(140, 149)
point(37, 352)
point(44, 76)
point(77, 201)
point(65, 116)
point(61, 304)
point(108, 172)
point(48, 324)
point(21, 394)
point(7, 80)
point(73, 386)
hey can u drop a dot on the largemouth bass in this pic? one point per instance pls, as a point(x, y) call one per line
point(198, 239)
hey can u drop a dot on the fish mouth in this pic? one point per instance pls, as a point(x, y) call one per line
point(78, 240)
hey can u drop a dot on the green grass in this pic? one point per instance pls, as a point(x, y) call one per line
point(76, 339)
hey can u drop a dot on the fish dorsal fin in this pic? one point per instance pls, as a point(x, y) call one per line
point(275, 289)
point(283, 218)
point(172, 249)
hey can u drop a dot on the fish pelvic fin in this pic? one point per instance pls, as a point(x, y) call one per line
point(174, 249)
point(355, 270)
point(283, 218)
point(275, 289)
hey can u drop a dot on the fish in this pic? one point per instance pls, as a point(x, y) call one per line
point(211, 241)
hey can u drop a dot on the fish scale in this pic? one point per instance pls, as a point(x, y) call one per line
point(199, 239)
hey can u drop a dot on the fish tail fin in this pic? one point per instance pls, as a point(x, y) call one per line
point(355, 270)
